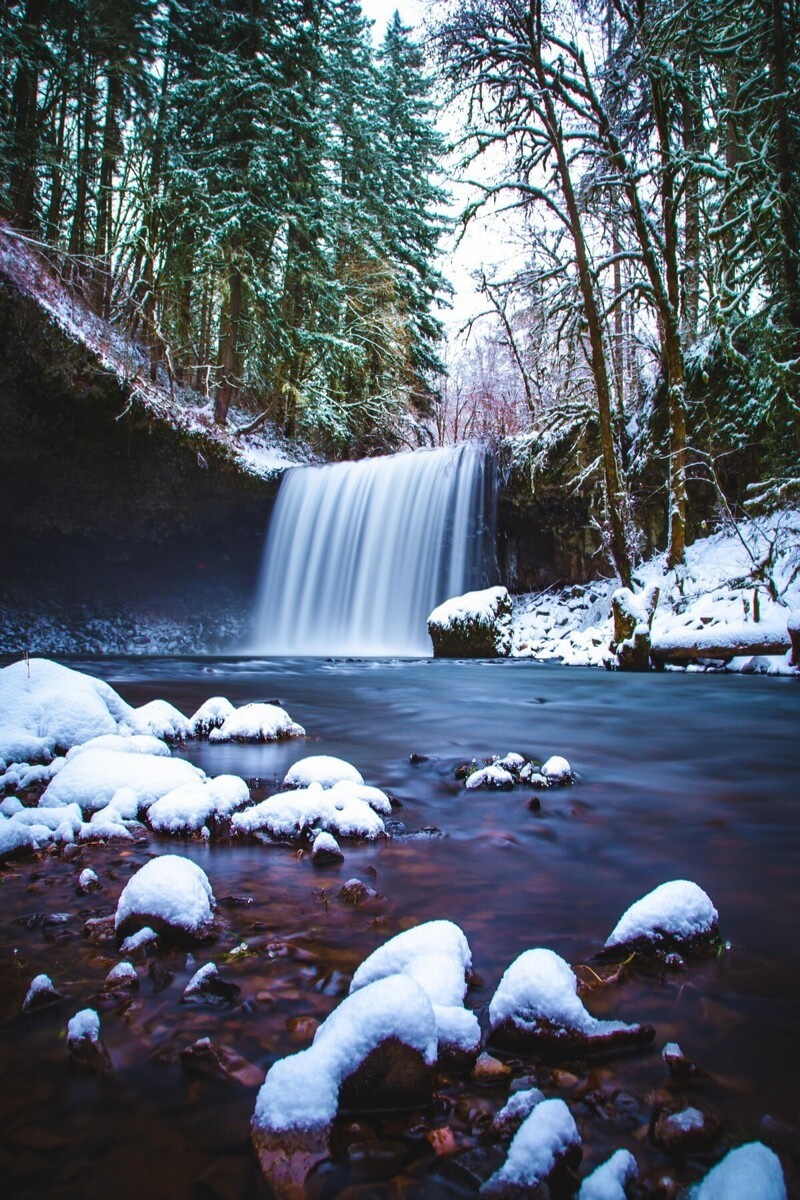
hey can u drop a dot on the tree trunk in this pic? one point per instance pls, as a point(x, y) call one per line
point(229, 345)
point(25, 120)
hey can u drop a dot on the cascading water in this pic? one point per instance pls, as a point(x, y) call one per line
point(358, 554)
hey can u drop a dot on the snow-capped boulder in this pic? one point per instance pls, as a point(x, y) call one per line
point(686, 1130)
point(536, 1006)
point(612, 1178)
point(208, 987)
point(324, 769)
point(161, 720)
point(211, 715)
point(107, 825)
point(546, 1150)
point(308, 811)
point(170, 895)
point(751, 1172)
point(87, 882)
point(475, 625)
point(675, 915)
point(556, 771)
point(188, 808)
point(376, 1050)
point(16, 840)
point(437, 956)
point(41, 994)
point(87, 1053)
point(257, 723)
point(520, 1106)
point(494, 777)
point(122, 978)
point(91, 779)
point(325, 850)
point(45, 707)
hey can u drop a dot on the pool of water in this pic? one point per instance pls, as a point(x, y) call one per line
point(678, 776)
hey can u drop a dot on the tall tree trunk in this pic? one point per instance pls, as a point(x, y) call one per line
point(57, 174)
point(109, 156)
point(229, 345)
point(693, 147)
point(85, 138)
point(25, 120)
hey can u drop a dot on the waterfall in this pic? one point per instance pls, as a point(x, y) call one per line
point(359, 553)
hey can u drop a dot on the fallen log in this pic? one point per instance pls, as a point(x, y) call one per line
point(720, 641)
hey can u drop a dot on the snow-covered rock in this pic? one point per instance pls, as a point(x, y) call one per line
point(91, 779)
point(686, 1131)
point(475, 625)
point(122, 977)
point(751, 1172)
point(556, 770)
point(546, 1144)
point(326, 850)
point(493, 776)
point(300, 1097)
point(363, 793)
point(140, 940)
point(437, 956)
point(257, 723)
point(88, 882)
point(188, 808)
point(674, 914)
point(520, 1106)
point(86, 1050)
point(310, 810)
point(45, 707)
point(536, 1005)
point(324, 769)
point(132, 743)
point(40, 994)
point(210, 715)
point(171, 895)
point(161, 720)
point(611, 1179)
point(208, 987)
point(16, 840)
point(106, 825)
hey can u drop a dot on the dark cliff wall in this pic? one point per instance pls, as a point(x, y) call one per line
point(98, 496)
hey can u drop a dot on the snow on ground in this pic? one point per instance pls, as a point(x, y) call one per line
point(301, 1092)
point(437, 956)
point(539, 990)
point(752, 1172)
point(712, 594)
point(188, 808)
point(677, 911)
point(91, 779)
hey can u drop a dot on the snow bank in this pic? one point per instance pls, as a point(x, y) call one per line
point(610, 1180)
point(169, 893)
point(311, 809)
point(91, 779)
point(134, 743)
point(752, 1172)
point(301, 1092)
point(45, 707)
point(537, 999)
point(546, 1137)
point(257, 723)
point(437, 956)
point(323, 769)
point(674, 912)
point(189, 807)
point(15, 839)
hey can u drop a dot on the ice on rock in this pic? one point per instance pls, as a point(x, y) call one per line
point(91, 779)
point(170, 894)
point(161, 720)
point(301, 1092)
point(132, 743)
point(751, 1172)
point(257, 723)
point(672, 914)
point(537, 1004)
point(188, 808)
point(611, 1179)
point(546, 1140)
point(45, 707)
point(211, 715)
point(493, 776)
point(436, 955)
point(292, 814)
point(323, 769)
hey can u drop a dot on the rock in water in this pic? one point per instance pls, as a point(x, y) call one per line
point(537, 1007)
point(171, 895)
point(475, 625)
point(86, 1050)
point(545, 1151)
point(687, 1131)
point(208, 987)
point(675, 916)
point(41, 994)
point(325, 850)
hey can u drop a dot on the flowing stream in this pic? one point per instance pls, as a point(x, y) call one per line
point(358, 554)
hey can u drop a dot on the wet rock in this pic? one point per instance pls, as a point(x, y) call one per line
point(442, 1141)
point(208, 987)
point(159, 976)
point(535, 804)
point(416, 759)
point(302, 1029)
point(41, 994)
point(355, 892)
point(54, 927)
point(490, 1072)
point(71, 852)
point(87, 1053)
point(470, 1169)
point(781, 1135)
point(140, 942)
point(100, 929)
point(87, 882)
point(537, 1008)
point(544, 1154)
point(213, 1061)
point(122, 978)
point(325, 851)
point(680, 1067)
point(686, 1131)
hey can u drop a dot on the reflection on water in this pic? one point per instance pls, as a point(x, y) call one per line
point(678, 776)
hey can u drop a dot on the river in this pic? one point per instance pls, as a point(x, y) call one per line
point(678, 776)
